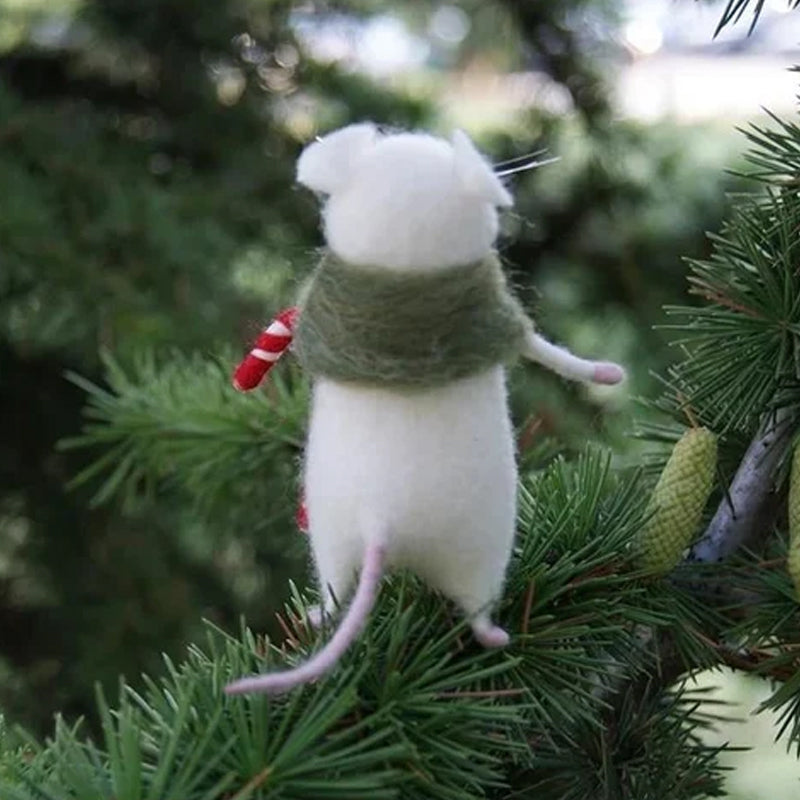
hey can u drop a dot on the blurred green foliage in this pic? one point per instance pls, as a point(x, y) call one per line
point(148, 207)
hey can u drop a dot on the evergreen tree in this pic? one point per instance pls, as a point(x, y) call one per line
point(592, 699)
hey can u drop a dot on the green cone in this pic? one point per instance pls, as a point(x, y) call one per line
point(678, 501)
point(793, 558)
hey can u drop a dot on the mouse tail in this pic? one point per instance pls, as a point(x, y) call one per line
point(353, 623)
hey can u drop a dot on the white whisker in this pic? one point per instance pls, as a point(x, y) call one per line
point(517, 159)
point(527, 166)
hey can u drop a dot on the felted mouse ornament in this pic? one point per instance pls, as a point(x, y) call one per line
point(406, 327)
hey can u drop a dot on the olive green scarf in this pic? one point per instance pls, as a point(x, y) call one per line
point(374, 326)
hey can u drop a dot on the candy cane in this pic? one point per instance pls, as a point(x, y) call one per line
point(269, 347)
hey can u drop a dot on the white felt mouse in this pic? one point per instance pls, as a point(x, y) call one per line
point(406, 328)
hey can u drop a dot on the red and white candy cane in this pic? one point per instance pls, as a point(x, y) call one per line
point(269, 347)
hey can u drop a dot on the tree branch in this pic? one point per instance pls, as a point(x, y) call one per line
point(736, 520)
point(738, 513)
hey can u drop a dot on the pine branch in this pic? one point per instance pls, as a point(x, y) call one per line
point(661, 655)
point(739, 514)
point(739, 377)
point(182, 423)
point(740, 347)
point(739, 519)
point(415, 708)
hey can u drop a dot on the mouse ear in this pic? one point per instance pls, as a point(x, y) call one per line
point(476, 174)
point(327, 164)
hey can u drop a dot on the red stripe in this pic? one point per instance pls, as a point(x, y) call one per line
point(288, 316)
point(251, 370)
point(250, 373)
point(272, 343)
point(301, 517)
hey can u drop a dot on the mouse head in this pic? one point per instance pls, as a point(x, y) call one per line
point(406, 201)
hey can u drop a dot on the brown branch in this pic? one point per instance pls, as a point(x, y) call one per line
point(290, 637)
point(751, 660)
point(254, 783)
point(715, 295)
point(526, 611)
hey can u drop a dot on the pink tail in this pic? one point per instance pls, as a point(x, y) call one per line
point(353, 623)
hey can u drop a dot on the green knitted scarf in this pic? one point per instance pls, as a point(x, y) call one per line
point(375, 326)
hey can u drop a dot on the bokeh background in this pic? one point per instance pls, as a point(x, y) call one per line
point(149, 225)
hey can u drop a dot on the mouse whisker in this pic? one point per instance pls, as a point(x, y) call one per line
point(509, 162)
point(527, 166)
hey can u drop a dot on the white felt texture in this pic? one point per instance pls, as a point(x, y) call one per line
point(432, 471)
point(476, 175)
point(562, 362)
point(405, 206)
point(326, 165)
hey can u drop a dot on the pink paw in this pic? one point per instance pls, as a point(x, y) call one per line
point(491, 635)
point(608, 373)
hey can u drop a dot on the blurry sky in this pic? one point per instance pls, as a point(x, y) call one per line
point(673, 65)
point(669, 63)
point(679, 68)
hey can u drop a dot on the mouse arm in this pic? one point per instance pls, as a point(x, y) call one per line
point(563, 363)
point(268, 348)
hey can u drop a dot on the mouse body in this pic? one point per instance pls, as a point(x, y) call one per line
point(430, 474)
point(410, 458)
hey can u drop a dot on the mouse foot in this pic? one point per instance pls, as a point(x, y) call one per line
point(490, 635)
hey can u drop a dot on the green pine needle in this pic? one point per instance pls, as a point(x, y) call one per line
point(416, 709)
point(182, 424)
point(741, 347)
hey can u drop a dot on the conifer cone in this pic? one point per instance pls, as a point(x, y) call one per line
point(793, 558)
point(678, 501)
